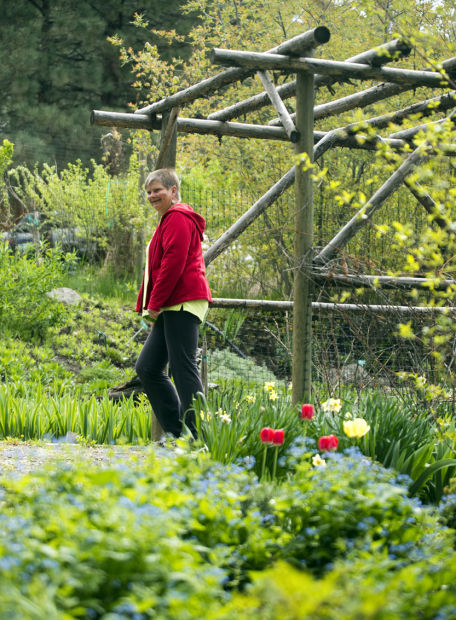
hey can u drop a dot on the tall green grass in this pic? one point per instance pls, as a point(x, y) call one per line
point(98, 282)
point(37, 415)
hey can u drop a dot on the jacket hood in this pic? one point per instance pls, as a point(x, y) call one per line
point(198, 219)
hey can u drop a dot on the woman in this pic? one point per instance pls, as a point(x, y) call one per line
point(174, 293)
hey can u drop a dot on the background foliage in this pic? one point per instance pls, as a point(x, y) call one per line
point(57, 65)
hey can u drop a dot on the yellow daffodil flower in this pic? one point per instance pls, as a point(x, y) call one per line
point(317, 461)
point(332, 405)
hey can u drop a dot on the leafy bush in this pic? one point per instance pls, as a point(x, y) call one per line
point(105, 210)
point(350, 506)
point(124, 540)
point(25, 311)
point(6, 156)
point(176, 535)
point(367, 588)
point(448, 505)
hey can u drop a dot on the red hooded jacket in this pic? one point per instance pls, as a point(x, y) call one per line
point(176, 264)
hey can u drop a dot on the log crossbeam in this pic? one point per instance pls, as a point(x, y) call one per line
point(279, 106)
point(391, 282)
point(333, 68)
point(424, 108)
point(318, 306)
point(239, 130)
point(375, 57)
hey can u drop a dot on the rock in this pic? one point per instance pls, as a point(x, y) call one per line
point(65, 296)
point(350, 373)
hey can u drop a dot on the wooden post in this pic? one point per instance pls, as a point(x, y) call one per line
point(302, 315)
point(166, 159)
point(204, 368)
point(168, 140)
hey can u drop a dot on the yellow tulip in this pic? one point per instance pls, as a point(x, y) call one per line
point(356, 428)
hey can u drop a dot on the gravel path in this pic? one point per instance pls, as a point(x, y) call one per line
point(22, 457)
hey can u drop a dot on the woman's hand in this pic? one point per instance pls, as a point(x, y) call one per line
point(153, 313)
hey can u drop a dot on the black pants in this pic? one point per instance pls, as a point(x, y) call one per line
point(173, 339)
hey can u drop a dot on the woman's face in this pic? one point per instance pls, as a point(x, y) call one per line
point(160, 197)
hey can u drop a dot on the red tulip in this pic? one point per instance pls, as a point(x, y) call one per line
point(307, 412)
point(267, 435)
point(278, 437)
point(328, 443)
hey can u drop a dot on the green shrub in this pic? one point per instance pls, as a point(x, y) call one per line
point(177, 535)
point(448, 505)
point(123, 540)
point(369, 588)
point(25, 310)
point(106, 211)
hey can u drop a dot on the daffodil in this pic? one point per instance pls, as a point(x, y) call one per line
point(317, 461)
point(356, 428)
point(269, 386)
point(225, 418)
point(273, 395)
point(420, 381)
point(332, 405)
point(250, 398)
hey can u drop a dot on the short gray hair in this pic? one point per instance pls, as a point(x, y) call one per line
point(166, 176)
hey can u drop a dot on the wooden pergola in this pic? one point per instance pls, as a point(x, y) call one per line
point(296, 56)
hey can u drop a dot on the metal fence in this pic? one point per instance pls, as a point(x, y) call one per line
point(361, 347)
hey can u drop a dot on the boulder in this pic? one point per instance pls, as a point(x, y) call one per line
point(65, 295)
point(350, 374)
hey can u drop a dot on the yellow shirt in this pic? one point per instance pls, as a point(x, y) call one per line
point(198, 307)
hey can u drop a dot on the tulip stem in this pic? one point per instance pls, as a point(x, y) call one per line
point(263, 465)
point(274, 467)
